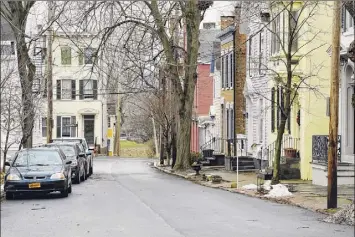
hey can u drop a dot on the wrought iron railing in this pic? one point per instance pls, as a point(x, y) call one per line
point(226, 146)
point(287, 142)
point(320, 144)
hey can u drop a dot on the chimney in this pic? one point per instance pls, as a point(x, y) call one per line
point(226, 21)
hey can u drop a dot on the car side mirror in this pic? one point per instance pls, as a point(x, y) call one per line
point(7, 163)
point(88, 153)
point(68, 162)
point(81, 154)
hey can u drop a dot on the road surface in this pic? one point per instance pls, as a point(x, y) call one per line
point(127, 197)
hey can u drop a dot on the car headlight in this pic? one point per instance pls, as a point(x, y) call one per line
point(13, 177)
point(58, 176)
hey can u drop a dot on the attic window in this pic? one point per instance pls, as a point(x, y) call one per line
point(265, 16)
point(209, 25)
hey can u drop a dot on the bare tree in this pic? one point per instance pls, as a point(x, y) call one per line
point(16, 13)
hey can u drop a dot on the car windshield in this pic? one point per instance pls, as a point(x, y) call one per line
point(38, 158)
point(72, 140)
point(68, 150)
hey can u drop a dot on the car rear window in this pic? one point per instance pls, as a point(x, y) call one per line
point(38, 158)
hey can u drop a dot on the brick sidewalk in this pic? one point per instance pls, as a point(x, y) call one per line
point(305, 194)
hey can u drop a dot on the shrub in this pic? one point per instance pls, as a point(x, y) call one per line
point(194, 157)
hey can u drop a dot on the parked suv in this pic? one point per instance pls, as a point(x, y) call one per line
point(89, 154)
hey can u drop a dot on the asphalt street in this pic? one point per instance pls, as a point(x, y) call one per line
point(128, 197)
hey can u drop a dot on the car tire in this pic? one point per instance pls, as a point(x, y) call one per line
point(77, 178)
point(83, 177)
point(9, 196)
point(91, 170)
point(70, 189)
point(65, 192)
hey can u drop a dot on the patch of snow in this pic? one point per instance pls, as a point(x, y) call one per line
point(267, 185)
point(344, 216)
point(279, 190)
point(250, 187)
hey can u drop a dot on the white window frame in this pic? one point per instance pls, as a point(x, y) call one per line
point(62, 89)
point(61, 127)
point(85, 95)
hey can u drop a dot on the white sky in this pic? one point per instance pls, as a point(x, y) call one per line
point(218, 9)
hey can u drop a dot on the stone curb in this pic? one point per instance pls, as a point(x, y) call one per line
point(254, 195)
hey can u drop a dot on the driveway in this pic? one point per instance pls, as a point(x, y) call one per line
point(128, 197)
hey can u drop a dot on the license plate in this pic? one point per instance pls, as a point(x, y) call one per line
point(34, 185)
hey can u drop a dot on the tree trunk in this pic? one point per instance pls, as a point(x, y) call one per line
point(27, 72)
point(277, 159)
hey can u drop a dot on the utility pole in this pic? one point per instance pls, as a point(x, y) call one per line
point(116, 151)
point(50, 76)
point(334, 105)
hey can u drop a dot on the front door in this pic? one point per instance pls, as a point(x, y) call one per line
point(89, 128)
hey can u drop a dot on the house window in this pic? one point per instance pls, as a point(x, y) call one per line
point(228, 132)
point(88, 89)
point(81, 57)
point(275, 38)
point(261, 43)
point(44, 127)
point(261, 121)
point(66, 55)
point(293, 31)
point(108, 121)
point(89, 55)
point(8, 49)
point(249, 56)
point(273, 109)
point(66, 89)
point(222, 74)
point(231, 69)
point(66, 126)
point(226, 78)
point(209, 25)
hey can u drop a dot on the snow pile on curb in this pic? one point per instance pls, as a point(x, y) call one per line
point(250, 187)
point(267, 185)
point(279, 190)
point(344, 216)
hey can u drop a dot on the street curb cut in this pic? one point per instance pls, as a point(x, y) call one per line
point(275, 200)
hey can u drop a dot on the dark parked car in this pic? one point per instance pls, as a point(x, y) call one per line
point(40, 169)
point(89, 153)
point(74, 153)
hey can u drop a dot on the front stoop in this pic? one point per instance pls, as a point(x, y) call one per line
point(346, 174)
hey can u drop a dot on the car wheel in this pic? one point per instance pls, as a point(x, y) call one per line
point(65, 192)
point(91, 170)
point(77, 177)
point(83, 177)
point(9, 196)
point(70, 189)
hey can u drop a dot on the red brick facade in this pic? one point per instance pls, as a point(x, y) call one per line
point(203, 99)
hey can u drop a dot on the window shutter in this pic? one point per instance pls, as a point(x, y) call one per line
point(278, 107)
point(222, 81)
point(273, 109)
point(73, 129)
point(81, 56)
point(233, 68)
point(73, 89)
point(343, 26)
point(59, 89)
point(81, 89)
point(227, 123)
point(59, 126)
point(94, 86)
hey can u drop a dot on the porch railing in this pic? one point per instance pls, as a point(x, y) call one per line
point(320, 144)
point(287, 142)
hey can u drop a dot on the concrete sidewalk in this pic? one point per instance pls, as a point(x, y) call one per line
point(304, 194)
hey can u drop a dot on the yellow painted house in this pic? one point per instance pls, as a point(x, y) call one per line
point(311, 74)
